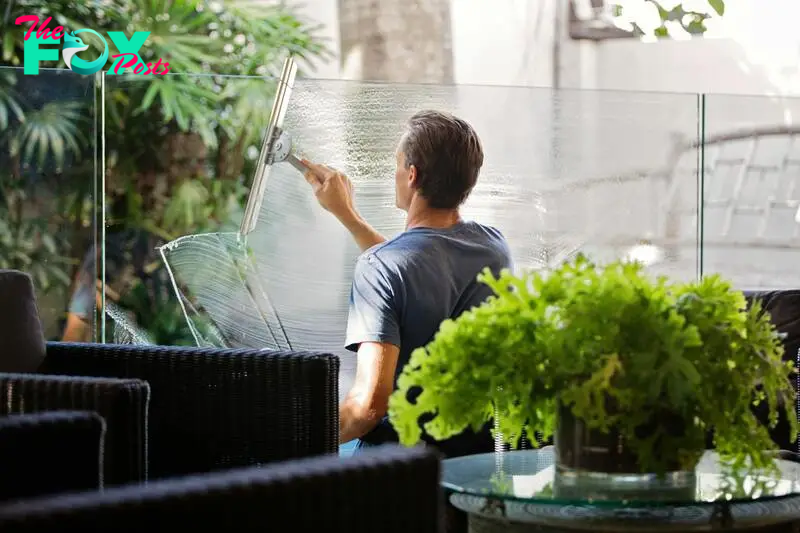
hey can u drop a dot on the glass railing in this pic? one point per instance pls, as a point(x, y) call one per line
point(688, 184)
point(178, 153)
point(50, 194)
point(565, 172)
point(751, 222)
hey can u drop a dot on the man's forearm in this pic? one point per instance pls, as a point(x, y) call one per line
point(365, 235)
point(353, 422)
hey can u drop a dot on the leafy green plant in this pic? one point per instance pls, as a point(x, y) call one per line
point(586, 336)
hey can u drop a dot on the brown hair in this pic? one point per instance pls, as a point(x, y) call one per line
point(447, 154)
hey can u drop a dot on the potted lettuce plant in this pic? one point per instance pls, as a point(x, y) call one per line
point(604, 358)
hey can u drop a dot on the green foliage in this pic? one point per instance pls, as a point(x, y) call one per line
point(10, 109)
point(692, 20)
point(53, 130)
point(33, 133)
point(30, 244)
point(235, 37)
point(591, 337)
point(37, 141)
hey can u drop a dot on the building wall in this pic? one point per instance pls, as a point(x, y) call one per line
point(752, 50)
point(325, 14)
point(509, 44)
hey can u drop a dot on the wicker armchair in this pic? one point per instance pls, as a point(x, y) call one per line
point(389, 489)
point(50, 453)
point(122, 403)
point(215, 409)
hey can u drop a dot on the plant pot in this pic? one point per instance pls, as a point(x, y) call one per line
point(591, 464)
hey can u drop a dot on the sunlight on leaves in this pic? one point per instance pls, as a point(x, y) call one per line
point(666, 18)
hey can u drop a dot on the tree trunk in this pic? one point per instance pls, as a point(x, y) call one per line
point(401, 41)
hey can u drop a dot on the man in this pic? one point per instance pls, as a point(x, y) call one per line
point(405, 287)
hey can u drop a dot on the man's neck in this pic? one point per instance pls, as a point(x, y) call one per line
point(422, 216)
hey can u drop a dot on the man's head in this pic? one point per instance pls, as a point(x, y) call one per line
point(438, 159)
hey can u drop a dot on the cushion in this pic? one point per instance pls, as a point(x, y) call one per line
point(22, 346)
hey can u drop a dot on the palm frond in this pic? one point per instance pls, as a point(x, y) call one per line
point(55, 131)
point(181, 99)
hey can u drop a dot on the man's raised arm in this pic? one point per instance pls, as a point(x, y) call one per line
point(334, 192)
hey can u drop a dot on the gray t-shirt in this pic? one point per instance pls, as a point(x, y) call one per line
point(405, 287)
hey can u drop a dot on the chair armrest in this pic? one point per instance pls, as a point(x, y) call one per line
point(388, 489)
point(123, 404)
point(213, 409)
point(50, 453)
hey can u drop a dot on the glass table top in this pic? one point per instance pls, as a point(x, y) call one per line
point(530, 476)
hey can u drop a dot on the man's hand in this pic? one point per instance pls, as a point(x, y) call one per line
point(333, 190)
point(334, 193)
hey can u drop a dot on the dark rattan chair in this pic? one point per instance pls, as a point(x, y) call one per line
point(215, 409)
point(388, 489)
point(50, 453)
point(122, 403)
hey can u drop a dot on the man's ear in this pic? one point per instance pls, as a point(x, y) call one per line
point(412, 176)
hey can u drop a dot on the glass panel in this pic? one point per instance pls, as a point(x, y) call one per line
point(180, 153)
point(751, 227)
point(48, 194)
point(566, 172)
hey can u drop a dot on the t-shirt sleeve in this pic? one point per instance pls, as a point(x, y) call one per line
point(373, 314)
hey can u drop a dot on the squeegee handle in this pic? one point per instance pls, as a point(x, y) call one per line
point(296, 163)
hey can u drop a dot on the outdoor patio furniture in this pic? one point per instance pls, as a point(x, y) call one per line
point(388, 489)
point(123, 404)
point(214, 409)
point(50, 453)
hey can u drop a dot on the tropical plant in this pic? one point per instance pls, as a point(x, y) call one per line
point(29, 243)
point(587, 337)
point(177, 146)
